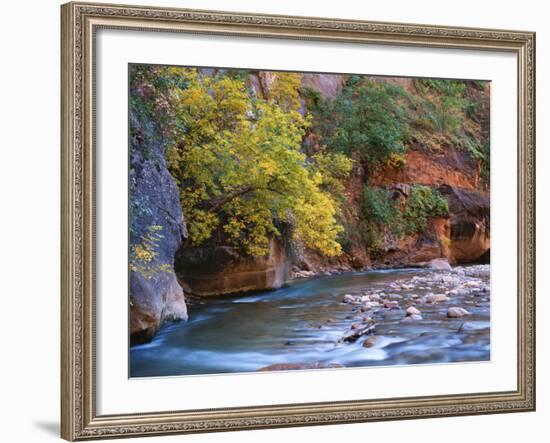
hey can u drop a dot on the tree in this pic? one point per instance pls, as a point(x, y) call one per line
point(238, 162)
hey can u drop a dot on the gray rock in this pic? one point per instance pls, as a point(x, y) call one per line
point(354, 334)
point(455, 312)
point(411, 310)
point(435, 298)
point(155, 211)
point(348, 298)
point(440, 264)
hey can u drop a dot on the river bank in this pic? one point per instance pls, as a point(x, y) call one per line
point(384, 317)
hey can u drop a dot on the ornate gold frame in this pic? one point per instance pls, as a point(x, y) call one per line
point(79, 420)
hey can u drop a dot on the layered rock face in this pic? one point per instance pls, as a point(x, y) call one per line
point(461, 237)
point(469, 225)
point(221, 270)
point(157, 231)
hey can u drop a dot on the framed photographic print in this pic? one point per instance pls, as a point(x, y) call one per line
point(282, 221)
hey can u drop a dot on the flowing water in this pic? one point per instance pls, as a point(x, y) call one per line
point(305, 322)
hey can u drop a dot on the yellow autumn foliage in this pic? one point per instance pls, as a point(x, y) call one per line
point(240, 168)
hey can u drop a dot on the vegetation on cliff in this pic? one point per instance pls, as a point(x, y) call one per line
point(386, 213)
point(259, 155)
point(238, 162)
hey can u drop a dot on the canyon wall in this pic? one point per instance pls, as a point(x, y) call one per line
point(157, 230)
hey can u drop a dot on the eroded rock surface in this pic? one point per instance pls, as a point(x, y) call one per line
point(222, 270)
point(155, 212)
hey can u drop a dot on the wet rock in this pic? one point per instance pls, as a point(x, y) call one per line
point(354, 334)
point(304, 274)
point(474, 326)
point(435, 298)
point(370, 305)
point(370, 342)
point(440, 264)
point(391, 304)
point(411, 310)
point(455, 312)
point(348, 298)
point(415, 317)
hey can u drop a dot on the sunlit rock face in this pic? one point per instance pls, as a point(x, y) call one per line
point(219, 270)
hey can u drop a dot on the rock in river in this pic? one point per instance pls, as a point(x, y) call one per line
point(411, 310)
point(455, 312)
point(348, 298)
point(369, 342)
point(354, 334)
point(441, 264)
point(435, 298)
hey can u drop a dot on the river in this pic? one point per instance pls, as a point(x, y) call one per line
point(306, 321)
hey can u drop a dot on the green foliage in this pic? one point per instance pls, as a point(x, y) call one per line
point(448, 112)
point(441, 105)
point(367, 117)
point(242, 171)
point(422, 203)
point(385, 214)
point(378, 206)
point(447, 88)
point(238, 162)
